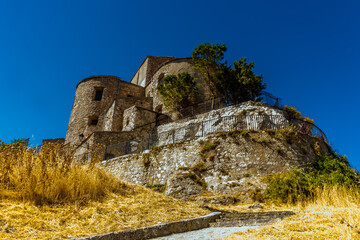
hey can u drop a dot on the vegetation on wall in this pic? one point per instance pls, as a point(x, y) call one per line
point(178, 91)
point(237, 84)
point(293, 114)
point(299, 185)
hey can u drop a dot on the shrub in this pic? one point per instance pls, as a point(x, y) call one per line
point(178, 91)
point(335, 170)
point(294, 114)
point(288, 187)
point(244, 133)
point(208, 146)
point(298, 185)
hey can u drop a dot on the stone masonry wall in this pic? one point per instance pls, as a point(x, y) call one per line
point(144, 73)
point(115, 143)
point(249, 115)
point(139, 77)
point(136, 116)
point(86, 108)
point(115, 114)
point(254, 115)
point(222, 163)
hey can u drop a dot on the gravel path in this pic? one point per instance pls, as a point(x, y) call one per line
point(206, 233)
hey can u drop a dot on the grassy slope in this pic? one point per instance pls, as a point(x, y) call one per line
point(48, 195)
point(335, 214)
point(142, 207)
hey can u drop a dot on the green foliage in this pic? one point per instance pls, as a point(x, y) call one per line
point(297, 185)
point(288, 187)
point(157, 187)
point(332, 170)
point(208, 60)
point(236, 84)
point(244, 133)
point(178, 91)
point(245, 84)
point(208, 146)
point(294, 114)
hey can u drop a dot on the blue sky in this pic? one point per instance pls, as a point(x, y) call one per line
point(307, 51)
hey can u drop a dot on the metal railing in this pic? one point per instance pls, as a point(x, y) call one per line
point(207, 106)
point(204, 128)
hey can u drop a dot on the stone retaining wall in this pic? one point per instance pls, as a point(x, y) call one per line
point(160, 229)
point(222, 163)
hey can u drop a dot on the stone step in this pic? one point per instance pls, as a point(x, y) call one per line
point(239, 219)
point(242, 223)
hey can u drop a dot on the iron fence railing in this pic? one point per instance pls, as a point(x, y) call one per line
point(309, 129)
point(203, 128)
point(209, 105)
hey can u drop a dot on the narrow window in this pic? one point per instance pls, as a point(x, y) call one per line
point(93, 121)
point(98, 94)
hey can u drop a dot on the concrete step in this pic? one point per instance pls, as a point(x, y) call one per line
point(240, 219)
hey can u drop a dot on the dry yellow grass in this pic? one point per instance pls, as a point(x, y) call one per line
point(335, 214)
point(24, 220)
point(48, 195)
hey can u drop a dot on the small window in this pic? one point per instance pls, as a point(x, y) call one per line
point(94, 122)
point(98, 94)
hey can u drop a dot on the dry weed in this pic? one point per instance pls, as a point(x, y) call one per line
point(50, 195)
point(334, 214)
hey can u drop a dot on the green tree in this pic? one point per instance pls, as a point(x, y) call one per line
point(247, 85)
point(178, 91)
point(208, 60)
point(236, 84)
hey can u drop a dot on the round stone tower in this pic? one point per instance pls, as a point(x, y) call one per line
point(93, 95)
